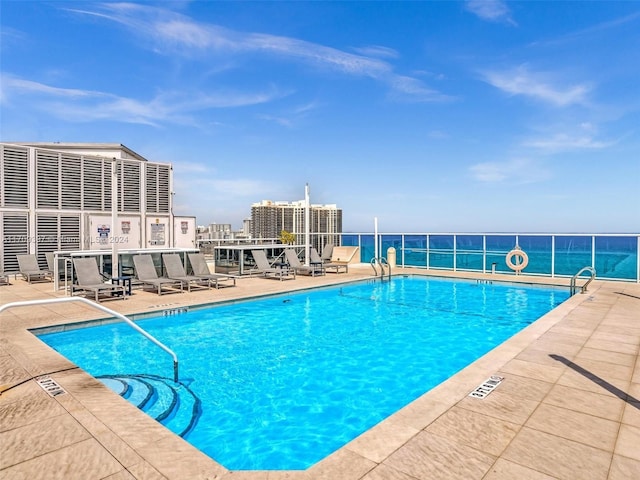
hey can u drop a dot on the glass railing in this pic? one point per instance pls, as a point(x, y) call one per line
point(614, 257)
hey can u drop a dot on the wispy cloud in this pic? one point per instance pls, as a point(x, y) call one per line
point(537, 85)
point(594, 29)
point(564, 142)
point(490, 10)
point(515, 171)
point(173, 33)
point(88, 105)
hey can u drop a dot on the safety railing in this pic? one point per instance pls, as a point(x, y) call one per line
point(31, 303)
point(573, 288)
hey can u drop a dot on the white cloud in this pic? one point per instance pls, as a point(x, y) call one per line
point(521, 81)
point(515, 171)
point(87, 105)
point(173, 32)
point(564, 142)
point(490, 10)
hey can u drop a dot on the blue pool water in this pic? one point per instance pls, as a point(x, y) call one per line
point(286, 380)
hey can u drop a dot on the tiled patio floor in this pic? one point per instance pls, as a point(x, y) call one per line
point(568, 408)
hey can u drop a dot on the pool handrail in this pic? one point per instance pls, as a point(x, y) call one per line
point(88, 302)
point(573, 288)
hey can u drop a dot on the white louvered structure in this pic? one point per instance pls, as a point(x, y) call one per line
point(56, 197)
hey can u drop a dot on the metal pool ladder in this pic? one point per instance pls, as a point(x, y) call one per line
point(573, 288)
point(382, 262)
point(104, 309)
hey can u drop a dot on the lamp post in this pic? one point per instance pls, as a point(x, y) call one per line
point(114, 218)
point(307, 233)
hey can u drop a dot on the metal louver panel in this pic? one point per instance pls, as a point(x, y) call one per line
point(14, 187)
point(164, 192)
point(106, 182)
point(46, 236)
point(56, 232)
point(92, 184)
point(130, 187)
point(71, 182)
point(47, 180)
point(69, 233)
point(15, 235)
point(152, 188)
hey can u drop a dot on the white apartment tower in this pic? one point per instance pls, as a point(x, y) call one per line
point(269, 218)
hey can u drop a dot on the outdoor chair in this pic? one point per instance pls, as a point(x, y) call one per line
point(267, 271)
point(31, 271)
point(335, 267)
point(327, 251)
point(201, 270)
point(88, 279)
point(146, 273)
point(314, 269)
point(175, 271)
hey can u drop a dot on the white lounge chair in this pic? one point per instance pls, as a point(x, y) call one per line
point(336, 267)
point(201, 270)
point(175, 271)
point(314, 270)
point(89, 280)
point(31, 271)
point(267, 271)
point(146, 273)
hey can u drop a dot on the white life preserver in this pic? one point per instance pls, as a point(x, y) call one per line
point(520, 264)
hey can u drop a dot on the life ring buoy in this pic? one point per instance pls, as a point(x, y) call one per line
point(521, 260)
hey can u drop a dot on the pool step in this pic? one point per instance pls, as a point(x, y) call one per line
point(172, 404)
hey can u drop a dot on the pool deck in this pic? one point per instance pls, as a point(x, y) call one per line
point(568, 407)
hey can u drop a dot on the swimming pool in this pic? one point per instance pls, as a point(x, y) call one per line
point(286, 380)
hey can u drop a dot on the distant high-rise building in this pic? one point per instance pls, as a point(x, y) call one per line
point(269, 218)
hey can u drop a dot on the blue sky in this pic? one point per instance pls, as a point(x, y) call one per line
point(479, 116)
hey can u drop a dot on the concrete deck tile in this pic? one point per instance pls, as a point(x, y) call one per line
point(27, 404)
point(623, 468)
point(502, 406)
point(384, 472)
point(613, 346)
point(342, 464)
point(435, 457)
point(506, 470)
point(34, 439)
point(144, 471)
point(596, 404)
point(166, 456)
point(607, 357)
point(121, 475)
point(522, 387)
point(478, 431)
point(558, 457)
point(628, 444)
point(382, 440)
point(579, 427)
point(546, 373)
point(573, 379)
point(605, 370)
point(80, 461)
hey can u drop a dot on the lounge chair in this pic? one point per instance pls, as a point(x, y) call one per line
point(175, 271)
point(314, 269)
point(4, 279)
point(31, 271)
point(327, 251)
point(146, 273)
point(201, 270)
point(267, 271)
point(335, 267)
point(89, 280)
